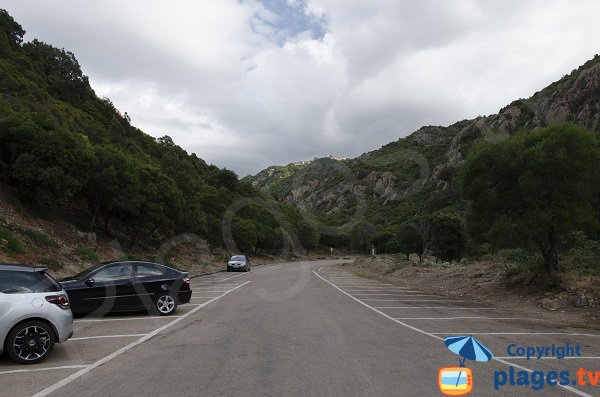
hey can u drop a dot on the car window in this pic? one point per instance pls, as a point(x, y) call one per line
point(149, 270)
point(238, 258)
point(114, 273)
point(25, 282)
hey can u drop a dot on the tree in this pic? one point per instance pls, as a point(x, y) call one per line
point(244, 234)
point(423, 227)
point(536, 187)
point(409, 241)
point(449, 237)
point(309, 236)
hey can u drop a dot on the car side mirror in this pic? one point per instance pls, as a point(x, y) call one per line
point(90, 282)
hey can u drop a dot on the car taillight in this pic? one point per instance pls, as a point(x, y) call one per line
point(186, 281)
point(59, 300)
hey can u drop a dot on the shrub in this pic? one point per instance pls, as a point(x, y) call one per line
point(52, 264)
point(88, 254)
point(584, 258)
point(39, 238)
point(13, 245)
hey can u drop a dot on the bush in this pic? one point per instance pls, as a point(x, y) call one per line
point(52, 264)
point(39, 238)
point(515, 255)
point(13, 245)
point(583, 259)
point(88, 254)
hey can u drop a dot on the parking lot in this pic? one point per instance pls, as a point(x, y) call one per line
point(301, 328)
point(439, 317)
point(98, 339)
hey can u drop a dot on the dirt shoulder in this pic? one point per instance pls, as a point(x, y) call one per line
point(574, 300)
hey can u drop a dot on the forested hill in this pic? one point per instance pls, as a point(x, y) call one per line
point(61, 144)
point(374, 196)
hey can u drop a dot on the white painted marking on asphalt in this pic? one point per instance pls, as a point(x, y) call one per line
point(100, 320)
point(465, 318)
point(388, 294)
point(435, 307)
point(408, 300)
point(17, 371)
point(202, 297)
point(229, 278)
point(516, 333)
point(108, 336)
point(551, 358)
point(125, 349)
point(321, 268)
point(435, 336)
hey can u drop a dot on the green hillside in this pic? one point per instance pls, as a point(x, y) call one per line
point(412, 195)
point(63, 147)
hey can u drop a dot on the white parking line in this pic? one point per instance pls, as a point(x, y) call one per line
point(551, 358)
point(100, 320)
point(202, 297)
point(464, 318)
point(398, 295)
point(405, 300)
point(16, 371)
point(229, 278)
point(423, 332)
point(516, 333)
point(108, 336)
point(125, 349)
point(435, 307)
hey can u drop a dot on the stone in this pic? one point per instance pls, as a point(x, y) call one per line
point(581, 300)
point(553, 304)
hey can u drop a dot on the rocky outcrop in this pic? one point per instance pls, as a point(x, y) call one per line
point(317, 186)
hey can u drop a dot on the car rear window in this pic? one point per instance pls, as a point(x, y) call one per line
point(12, 282)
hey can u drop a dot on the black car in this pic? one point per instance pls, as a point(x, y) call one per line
point(128, 286)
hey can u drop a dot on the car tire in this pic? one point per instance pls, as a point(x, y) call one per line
point(165, 304)
point(30, 342)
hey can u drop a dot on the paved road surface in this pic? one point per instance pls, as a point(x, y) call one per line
point(293, 329)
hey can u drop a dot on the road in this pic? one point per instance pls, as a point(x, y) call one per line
point(294, 329)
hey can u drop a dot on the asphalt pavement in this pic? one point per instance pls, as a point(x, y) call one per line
point(301, 329)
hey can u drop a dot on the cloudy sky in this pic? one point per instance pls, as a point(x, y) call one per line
point(247, 83)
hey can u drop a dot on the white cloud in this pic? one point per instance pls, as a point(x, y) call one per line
point(240, 83)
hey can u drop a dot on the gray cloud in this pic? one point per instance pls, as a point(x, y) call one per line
point(247, 84)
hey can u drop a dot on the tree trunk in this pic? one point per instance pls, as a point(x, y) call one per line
point(549, 249)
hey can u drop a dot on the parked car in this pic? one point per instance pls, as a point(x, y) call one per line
point(128, 286)
point(34, 313)
point(238, 263)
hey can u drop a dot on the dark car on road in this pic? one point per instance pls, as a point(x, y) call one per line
point(238, 263)
point(128, 286)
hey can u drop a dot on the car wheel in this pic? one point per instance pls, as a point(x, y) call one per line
point(165, 304)
point(30, 342)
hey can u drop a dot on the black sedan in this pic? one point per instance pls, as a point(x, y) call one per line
point(128, 286)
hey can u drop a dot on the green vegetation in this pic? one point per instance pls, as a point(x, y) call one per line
point(533, 189)
point(88, 254)
point(12, 244)
point(60, 143)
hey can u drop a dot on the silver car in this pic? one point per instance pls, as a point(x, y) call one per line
point(34, 313)
point(238, 263)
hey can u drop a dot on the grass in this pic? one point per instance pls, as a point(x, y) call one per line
point(13, 245)
point(39, 239)
point(87, 254)
point(52, 263)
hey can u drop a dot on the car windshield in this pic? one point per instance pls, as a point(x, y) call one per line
point(238, 258)
point(12, 282)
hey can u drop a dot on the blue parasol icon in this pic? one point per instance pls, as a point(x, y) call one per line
point(469, 348)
